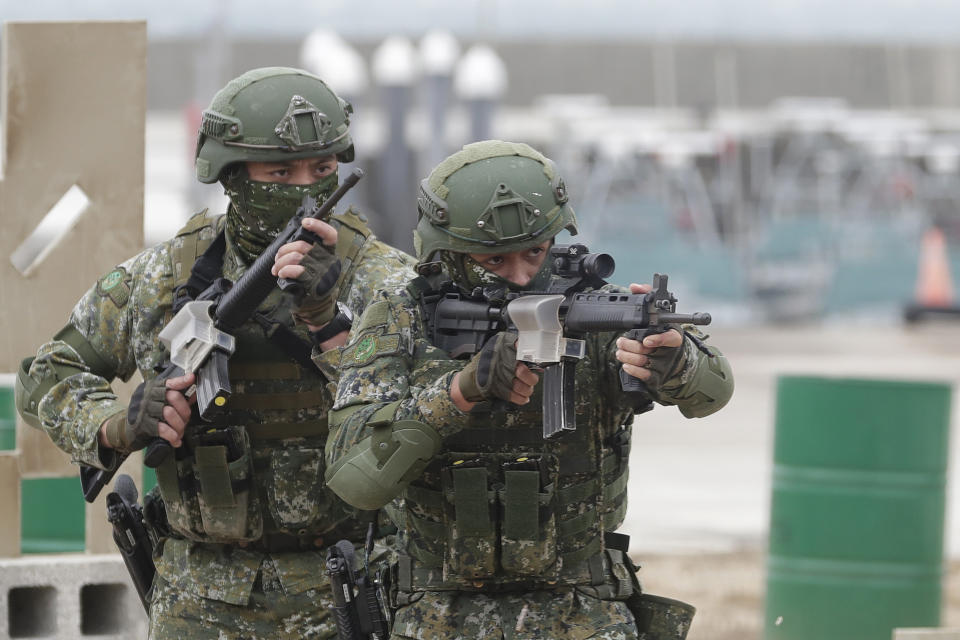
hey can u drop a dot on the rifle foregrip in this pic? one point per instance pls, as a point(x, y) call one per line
point(629, 383)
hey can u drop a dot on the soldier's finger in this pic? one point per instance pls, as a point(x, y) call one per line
point(181, 383)
point(290, 272)
point(633, 346)
point(179, 403)
point(287, 259)
point(300, 246)
point(637, 372)
point(671, 338)
point(173, 419)
point(170, 435)
point(640, 288)
point(516, 398)
point(525, 375)
point(628, 357)
point(521, 389)
point(326, 231)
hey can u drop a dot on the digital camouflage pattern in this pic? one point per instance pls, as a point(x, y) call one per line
point(535, 615)
point(120, 317)
point(661, 618)
point(271, 613)
point(500, 514)
point(275, 606)
point(261, 210)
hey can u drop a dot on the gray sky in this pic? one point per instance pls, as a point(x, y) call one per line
point(883, 20)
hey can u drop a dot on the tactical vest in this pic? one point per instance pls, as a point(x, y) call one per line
point(504, 509)
point(257, 479)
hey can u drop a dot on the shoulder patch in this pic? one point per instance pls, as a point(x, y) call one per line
point(116, 286)
point(369, 347)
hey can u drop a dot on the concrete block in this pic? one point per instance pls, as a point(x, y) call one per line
point(10, 503)
point(69, 596)
point(926, 634)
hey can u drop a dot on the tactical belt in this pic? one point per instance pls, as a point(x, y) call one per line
point(592, 568)
point(283, 430)
point(409, 579)
point(285, 543)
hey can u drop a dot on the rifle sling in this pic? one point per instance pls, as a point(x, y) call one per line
point(207, 268)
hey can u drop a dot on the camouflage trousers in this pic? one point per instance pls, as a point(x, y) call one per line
point(270, 613)
point(560, 614)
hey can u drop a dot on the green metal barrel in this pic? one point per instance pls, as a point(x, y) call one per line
point(856, 520)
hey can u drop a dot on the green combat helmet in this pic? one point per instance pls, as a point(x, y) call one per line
point(490, 197)
point(272, 114)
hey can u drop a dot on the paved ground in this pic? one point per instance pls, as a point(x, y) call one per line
point(700, 489)
point(704, 485)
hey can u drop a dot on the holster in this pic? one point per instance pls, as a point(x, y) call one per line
point(656, 617)
point(660, 618)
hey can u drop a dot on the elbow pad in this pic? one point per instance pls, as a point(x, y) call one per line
point(27, 394)
point(29, 391)
point(709, 388)
point(377, 469)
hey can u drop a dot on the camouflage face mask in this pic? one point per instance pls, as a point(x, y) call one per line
point(468, 274)
point(260, 210)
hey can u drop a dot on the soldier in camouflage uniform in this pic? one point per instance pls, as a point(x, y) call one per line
point(503, 534)
point(248, 523)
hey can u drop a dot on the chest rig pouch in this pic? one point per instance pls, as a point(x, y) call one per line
point(499, 517)
point(257, 474)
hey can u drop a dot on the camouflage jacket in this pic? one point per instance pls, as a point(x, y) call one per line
point(498, 506)
point(120, 318)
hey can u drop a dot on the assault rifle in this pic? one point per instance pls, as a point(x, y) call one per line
point(552, 324)
point(199, 335)
point(358, 598)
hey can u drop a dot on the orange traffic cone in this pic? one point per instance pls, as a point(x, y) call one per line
point(934, 285)
point(934, 293)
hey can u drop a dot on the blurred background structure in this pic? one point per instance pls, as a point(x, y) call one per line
point(782, 160)
point(793, 166)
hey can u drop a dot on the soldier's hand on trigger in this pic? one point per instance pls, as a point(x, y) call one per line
point(495, 373)
point(317, 269)
point(157, 408)
point(657, 358)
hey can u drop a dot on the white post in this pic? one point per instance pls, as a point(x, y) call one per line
point(480, 81)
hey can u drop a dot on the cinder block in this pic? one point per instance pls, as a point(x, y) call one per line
point(926, 634)
point(67, 597)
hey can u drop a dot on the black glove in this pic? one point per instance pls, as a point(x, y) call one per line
point(490, 373)
point(135, 429)
point(319, 286)
point(665, 363)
